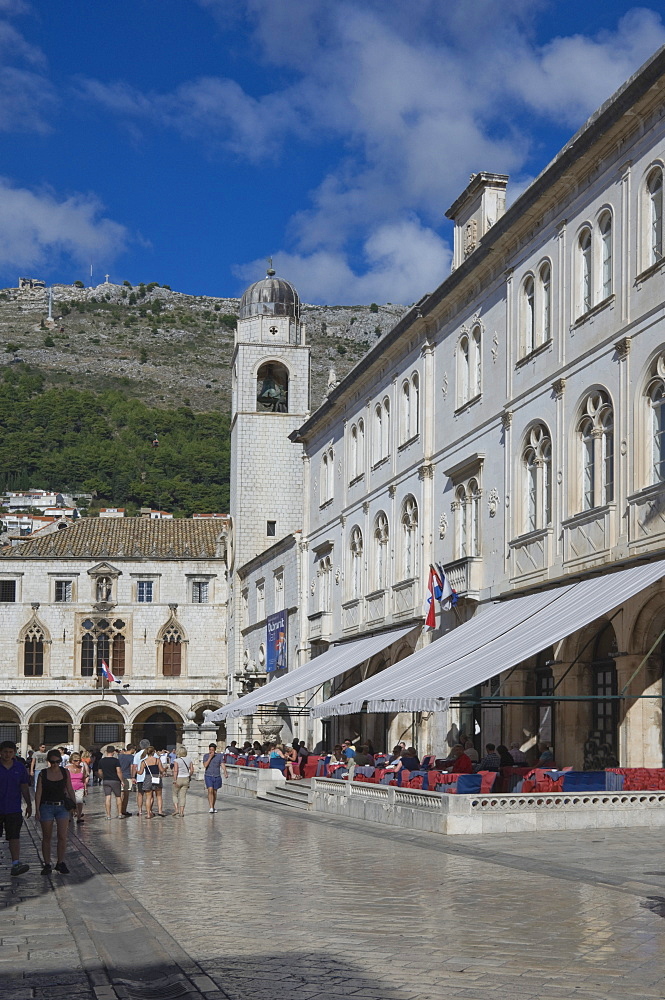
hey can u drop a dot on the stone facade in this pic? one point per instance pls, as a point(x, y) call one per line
point(511, 427)
point(148, 597)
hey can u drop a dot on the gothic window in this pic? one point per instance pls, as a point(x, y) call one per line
point(656, 397)
point(171, 640)
point(272, 388)
point(102, 639)
point(584, 271)
point(33, 652)
point(360, 455)
point(380, 563)
point(356, 557)
point(655, 216)
point(537, 471)
point(409, 521)
point(596, 450)
point(529, 315)
point(353, 453)
point(545, 275)
point(385, 429)
point(260, 600)
point(605, 229)
point(323, 480)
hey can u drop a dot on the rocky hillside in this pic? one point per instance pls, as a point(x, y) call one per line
point(163, 347)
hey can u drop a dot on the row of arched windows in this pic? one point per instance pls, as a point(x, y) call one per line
point(379, 563)
point(409, 428)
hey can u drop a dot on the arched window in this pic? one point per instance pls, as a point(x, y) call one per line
point(272, 388)
point(605, 228)
point(529, 315)
point(466, 510)
point(656, 397)
point(585, 286)
point(545, 275)
point(459, 508)
point(377, 442)
point(655, 192)
point(476, 362)
point(405, 424)
point(385, 429)
point(537, 471)
point(409, 538)
point(360, 451)
point(473, 506)
point(353, 453)
point(380, 552)
point(103, 639)
point(415, 404)
point(596, 450)
point(171, 650)
point(356, 556)
point(325, 570)
point(323, 484)
point(33, 652)
point(463, 374)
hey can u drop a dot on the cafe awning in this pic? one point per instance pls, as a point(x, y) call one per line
point(499, 637)
point(332, 663)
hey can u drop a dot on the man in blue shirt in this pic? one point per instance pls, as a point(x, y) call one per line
point(14, 785)
point(213, 763)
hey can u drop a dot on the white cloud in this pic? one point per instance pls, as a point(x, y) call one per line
point(38, 229)
point(27, 97)
point(397, 258)
point(414, 96)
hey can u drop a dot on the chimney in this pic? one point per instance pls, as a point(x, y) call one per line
point(476, 210)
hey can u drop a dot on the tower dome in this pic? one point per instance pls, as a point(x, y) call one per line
point(271, 296)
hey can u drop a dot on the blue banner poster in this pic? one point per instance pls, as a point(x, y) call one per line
point(276, 642)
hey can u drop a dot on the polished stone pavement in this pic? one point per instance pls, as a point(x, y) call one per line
point(259, 902)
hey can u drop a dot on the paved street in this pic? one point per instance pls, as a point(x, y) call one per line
point(263, 903)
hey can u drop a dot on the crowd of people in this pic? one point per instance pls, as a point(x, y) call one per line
point(61, 779)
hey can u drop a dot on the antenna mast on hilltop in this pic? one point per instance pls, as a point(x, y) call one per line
point(50, 304)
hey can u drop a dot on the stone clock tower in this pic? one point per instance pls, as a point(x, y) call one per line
point(270, 384)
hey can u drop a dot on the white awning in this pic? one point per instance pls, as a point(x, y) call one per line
point(332, 663)
point(498, 638)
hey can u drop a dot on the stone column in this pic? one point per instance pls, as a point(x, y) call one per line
point(76, 737)
point(128, 735)
point(639, 719)
point(24, 741)
point(207, 735)
point(190, 739)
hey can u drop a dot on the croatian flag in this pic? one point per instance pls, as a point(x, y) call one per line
point(429, 607)
point(447, 597)
point(107, 673)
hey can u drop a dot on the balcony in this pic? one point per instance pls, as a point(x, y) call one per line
point(589, 536)
point(646, 515)
point(351, 615)
point(404, 598)
point(465, 576)
point(320, 625)
point(530, 556)
point(375, 606)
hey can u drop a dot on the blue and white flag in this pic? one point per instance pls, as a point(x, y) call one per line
point(447, 596)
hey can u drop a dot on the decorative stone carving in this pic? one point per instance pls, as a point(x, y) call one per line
point(338, 576)
point(470, 236)
point(559, 387)
point(333, 381)
point(493, 500)
point(426, 471)
point(366, 506)
point(443, 525)
point(392, 490)
point(444, 385)
point(270, 730)
point(622, 347)
point(312, 587)
point(506, 419)
point(495, 347)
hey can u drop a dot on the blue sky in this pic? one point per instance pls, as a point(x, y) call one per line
point(183, 141)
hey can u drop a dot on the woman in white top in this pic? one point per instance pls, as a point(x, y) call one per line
point(183, 771)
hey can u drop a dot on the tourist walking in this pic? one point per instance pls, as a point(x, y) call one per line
point(14, 786)
point(183, 771)
point(54, 800)
point(38, 763)
point(80, 775)
point(213, 763)
point(125, 763)
point(138, 757)
point(111, 777)
point(150, 775)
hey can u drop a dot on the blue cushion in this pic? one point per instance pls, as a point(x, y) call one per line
point(584, 781)
point(469, 784)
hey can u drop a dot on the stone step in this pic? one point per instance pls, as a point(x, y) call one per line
point(293, 796)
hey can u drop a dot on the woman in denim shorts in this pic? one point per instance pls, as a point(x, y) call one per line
point(54, 785)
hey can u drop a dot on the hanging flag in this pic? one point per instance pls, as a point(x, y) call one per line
point(107, 673)
point(429, 607)
point(447, 597)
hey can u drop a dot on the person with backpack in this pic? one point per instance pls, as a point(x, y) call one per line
point(54, 801)
point(14, 790)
